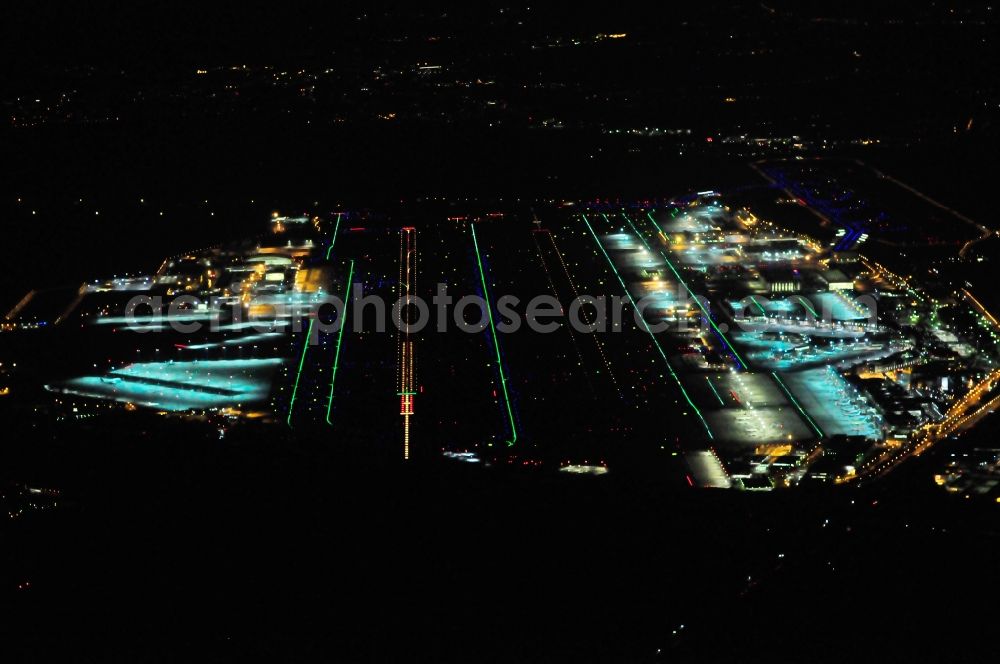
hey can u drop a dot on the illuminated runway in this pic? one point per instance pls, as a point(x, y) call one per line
point(501, 372)
point(645, 326)
point(406, 362)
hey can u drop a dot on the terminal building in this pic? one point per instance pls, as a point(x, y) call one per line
point(836, 280)
point(781, 280)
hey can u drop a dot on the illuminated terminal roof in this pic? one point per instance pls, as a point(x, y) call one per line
point(179, 386)
point(270, 259)
point(286, 221)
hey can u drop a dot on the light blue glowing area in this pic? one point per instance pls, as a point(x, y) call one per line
point(259, 325)
point(762, 306)
point(836, 405)
point(841, 353)
point(782, 306)
point(293, 298)
point(252, 338)
point(774, 344)
point(157, 318)
point(238, 341)
point(180, 386)
point(788, 352)
point(841, 306)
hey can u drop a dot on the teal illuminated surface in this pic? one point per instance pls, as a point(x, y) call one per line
point(179, 386)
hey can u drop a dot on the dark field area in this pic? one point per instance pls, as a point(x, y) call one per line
point(221, 552)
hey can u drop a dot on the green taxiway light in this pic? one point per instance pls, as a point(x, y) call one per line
point(298, 376)
point(340, 337)
point(805, 302)
point(334, 240)
point(645, 325)
point(715, 391)
point(657, 227)
point(496, 342)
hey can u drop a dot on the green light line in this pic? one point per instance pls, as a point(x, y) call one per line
point(659, 229)
point(796, 404)
point(334, 241)
point(496, 342)
point(708, 316)
point(645, 325)
point(298, 376)
point(763, 311)
point(715, 391)
point(807, 305)
point(340, 337)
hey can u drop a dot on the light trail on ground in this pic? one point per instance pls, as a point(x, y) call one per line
point(576, 295)
point(555, 293)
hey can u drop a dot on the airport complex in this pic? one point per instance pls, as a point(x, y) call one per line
point(808, 363)
point(749, 356)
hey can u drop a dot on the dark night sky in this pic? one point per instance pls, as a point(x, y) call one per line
point(159, 33)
